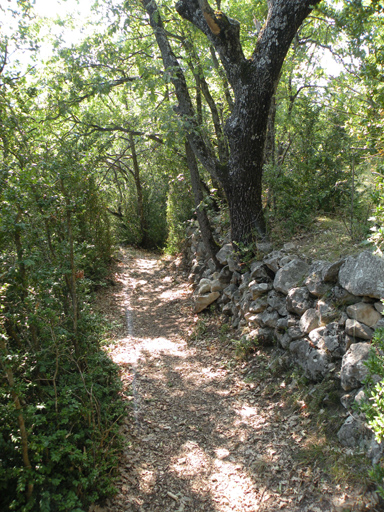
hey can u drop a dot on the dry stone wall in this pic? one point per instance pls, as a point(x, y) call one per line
point(322, 314)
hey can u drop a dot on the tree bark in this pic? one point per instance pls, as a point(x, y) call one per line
point(202, 217)
point(253, 81)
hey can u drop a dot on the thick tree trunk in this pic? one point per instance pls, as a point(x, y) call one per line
point(243, 190)
point(253, 81)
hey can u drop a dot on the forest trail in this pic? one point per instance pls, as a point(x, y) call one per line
point(199, 437)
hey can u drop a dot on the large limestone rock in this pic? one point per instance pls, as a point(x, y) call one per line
point(315, 363)
point(225, 253)
point(258, 272)
point(331, 271)
point(363, 275)
point(257, 290)
point(277, 301)
point(309, 321)
point(354, 433)
point(226, 257)
point(327, 313)
point(353, 369)
point(326, 338)
point(272, 261)
point(290, 275)
point(358, 330)
point(314, 282)
point(298, 300)
point(364, 313)
point(203, 301)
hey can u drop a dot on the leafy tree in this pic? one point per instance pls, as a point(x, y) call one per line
point(253, 81)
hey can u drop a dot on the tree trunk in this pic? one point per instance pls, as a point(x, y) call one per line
point(205, 227)
point(254, 83)
point(139, 191)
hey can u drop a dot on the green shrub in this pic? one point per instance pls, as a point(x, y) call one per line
point(179, 210)
point(373, 407)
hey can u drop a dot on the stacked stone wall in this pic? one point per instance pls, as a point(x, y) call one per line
point(323, 314)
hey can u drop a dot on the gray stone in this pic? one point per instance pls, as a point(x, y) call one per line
point(358, 330)
point(227, 309)
point(211, 265)
point(314, 282)
point(364, 313)
point(341, 297)
point(277, 301)
point(244, 304)
point(363, 275)
point(217, 285)
point(375, 451)
point(286, 259)
point(326, 338)
point(353, 369)
point(225, 275)
point(268, 319)
point(290, 275)
point(236, 277)
point(203, 301)
point(200, 250)
point(258, 289)
point(326, 313)
point(315, 363)
point(272, 261)
point(331, 344)
point(298, 300)
point(316, 335)
point(331, 271)
point(299, 349)
point(233, 264)
point(360, 397)
point(224, 254)
point(309, 321)
point(245, 280)
point(289, 247)
point(343, 318)
point(348, 399)
point(263, 335)
point(379, 306)
point(230, 290)
point(259, 305)
point(380, 324)
point(283, 338)
point(258, 272)
point(354, 433)
point(294, 332)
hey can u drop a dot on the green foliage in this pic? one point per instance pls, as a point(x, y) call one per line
point(55, 240)
point(373, 407)
point(377, 236)
point(179, 210)
point(244, 346)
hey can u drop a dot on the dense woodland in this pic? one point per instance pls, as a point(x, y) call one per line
point(157, 115)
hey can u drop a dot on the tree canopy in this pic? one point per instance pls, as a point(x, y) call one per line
point(161, 112)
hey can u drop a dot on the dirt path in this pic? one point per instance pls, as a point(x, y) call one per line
point(203, 438)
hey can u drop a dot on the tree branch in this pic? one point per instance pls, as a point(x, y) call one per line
point(222, 31)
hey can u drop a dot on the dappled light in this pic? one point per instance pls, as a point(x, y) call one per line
point(203, 439)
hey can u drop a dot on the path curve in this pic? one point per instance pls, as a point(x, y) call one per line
point(200, 438)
